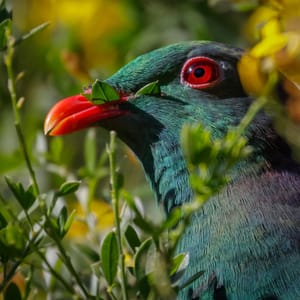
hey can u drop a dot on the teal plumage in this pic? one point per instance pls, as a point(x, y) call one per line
point(246, 238)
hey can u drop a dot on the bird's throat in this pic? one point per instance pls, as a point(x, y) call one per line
point(167, 172)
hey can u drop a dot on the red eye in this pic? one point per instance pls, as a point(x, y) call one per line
point(200, 72)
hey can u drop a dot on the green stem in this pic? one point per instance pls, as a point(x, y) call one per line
point(257, 105)
point(69, 265)
point(56, 274)
point(115, 204)
point(13, 95)
point(9, 275)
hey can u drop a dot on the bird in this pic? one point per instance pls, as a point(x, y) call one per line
point(246, 238)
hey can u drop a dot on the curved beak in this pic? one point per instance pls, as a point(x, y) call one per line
point(77, 112)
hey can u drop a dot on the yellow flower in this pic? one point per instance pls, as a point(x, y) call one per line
point(275, 27)
point(101, 215)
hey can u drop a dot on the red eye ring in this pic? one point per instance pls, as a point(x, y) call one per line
point(200, 72)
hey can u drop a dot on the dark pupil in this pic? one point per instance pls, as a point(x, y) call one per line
point(199, 72)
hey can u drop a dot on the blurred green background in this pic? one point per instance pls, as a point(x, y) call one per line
point(87, 40)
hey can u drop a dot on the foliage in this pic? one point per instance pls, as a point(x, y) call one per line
point(57, 239)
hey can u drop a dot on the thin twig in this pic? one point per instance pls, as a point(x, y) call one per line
point(12, 92)
point(115, 204)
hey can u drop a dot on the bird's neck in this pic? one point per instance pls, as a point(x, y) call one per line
point(167, 171)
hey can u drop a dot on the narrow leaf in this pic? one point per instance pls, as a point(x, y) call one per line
point(4, 13)
point(3, 39)
point(29, 34)
point(176, 263)
point(132, 238)
point(68, 188)
point(32, 32)
point(3, 221)
point(173, 219)
point(62, 218)
point(69, 221)
point(110, 257)
point(25, 197)
point(141, 259)
point(151, 88)
point(191, 279)
point(103, 92)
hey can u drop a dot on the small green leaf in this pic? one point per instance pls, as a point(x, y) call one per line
point(140, 259)
point(27, 35)
point(61, 221)
point(110, 257)
point(3, 39)
point(69, 222)
point(176, 263)
point(12, 292)
point(68, 188)
point(151, 88)
point(34, 31)
point(4, 13)
point(103, 92)
point(191, 279)
point(173, 219)
point(25, 197)
point(132, 238)
point(3, 221)
point(14, 238)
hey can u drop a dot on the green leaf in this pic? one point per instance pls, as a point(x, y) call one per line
point(28, 35)
point(103, 92)
point(110, 257)
point(177, 262)
point(3, 39)
point(191, 279)
point(140, 259)
point(12, 292)
point(61, 221)
point(68, 188)
point(31, 33)
point(13, 238)
point(4, 13)
point(3, 221)
point(151, 88)
point(69, 221)
point(25, 197)
point(173, 219)
point(132, 238)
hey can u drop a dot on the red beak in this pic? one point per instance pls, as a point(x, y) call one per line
point(77, 112)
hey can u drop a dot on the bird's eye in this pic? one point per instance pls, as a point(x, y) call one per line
point(200, 72)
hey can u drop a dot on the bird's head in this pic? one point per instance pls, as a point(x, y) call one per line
point(198, 82)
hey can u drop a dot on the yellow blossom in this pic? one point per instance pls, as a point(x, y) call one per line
point(275, 27)
point(101, 213)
